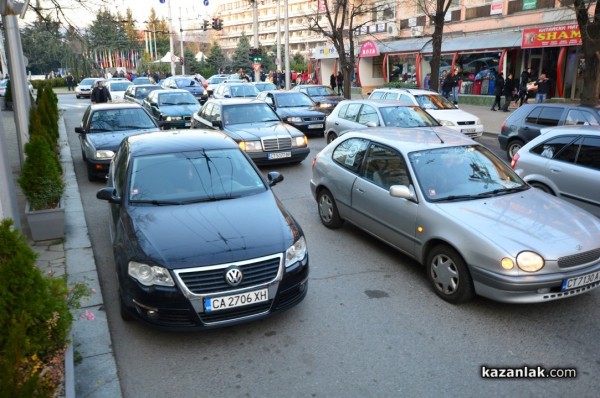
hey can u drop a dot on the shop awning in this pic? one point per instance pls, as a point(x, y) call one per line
point(403, 46)
point(479, 42)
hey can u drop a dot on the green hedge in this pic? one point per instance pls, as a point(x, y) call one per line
point(55, 82)
point(400, 85)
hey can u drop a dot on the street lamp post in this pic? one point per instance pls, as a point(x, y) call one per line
point(171, 41)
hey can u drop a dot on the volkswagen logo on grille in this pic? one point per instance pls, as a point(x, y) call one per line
point(234, 276)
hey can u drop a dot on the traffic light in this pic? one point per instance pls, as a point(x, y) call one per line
point(215, 23)
point(256, 54)
point(205, 25)
point(219, 24)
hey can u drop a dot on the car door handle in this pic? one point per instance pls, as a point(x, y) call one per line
point(360, 190)
point(337, 124)
point(555, 170)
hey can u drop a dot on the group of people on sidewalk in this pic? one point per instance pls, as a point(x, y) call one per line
point(510, 90)
point(450, 85)
point(337, 81)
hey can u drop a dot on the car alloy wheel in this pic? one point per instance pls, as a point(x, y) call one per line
point(331, 137)
point(328, 211)
point(513, 147)
point(449, 275)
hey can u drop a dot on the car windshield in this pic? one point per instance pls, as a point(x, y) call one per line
point(176, 99)
point(246, 90)
point(142, 92)
point(434, 101)
point(141, 80)
point(119, 86)
point(406, 116)
point(290, 100)
point(248, 113)
point(320, 91)
point(265, 86)
point(216, 80)
point(463, 173)
point(192, 177)
point(120, 119)
point(88, 82)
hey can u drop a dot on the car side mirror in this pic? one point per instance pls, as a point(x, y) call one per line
point(274, 178)
point(109, 194)
point(79, 130)
point(371, 124)
point(217, 123)
point(402, 191)
point(317, 103)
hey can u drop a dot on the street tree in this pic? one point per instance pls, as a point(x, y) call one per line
point(159, 30)
point(44, 47)
point(338, 20)
point(589, 25)
point(241, 56)
point(215, 59)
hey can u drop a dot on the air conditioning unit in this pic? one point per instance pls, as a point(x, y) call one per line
point(416, 31)
point(392, 29)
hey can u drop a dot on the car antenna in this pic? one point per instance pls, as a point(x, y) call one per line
point(439, 138)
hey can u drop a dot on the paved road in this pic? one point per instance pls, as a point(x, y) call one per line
point(370, 325)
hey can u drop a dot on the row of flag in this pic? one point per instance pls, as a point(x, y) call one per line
point(115, 59)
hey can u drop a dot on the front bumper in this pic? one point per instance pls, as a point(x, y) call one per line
point(269, 158)
point(529, 288)
point(169, 308)
point(98, 168)
point(308, 130)
point(177, 124)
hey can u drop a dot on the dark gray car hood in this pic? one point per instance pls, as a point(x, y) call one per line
point(112, 139)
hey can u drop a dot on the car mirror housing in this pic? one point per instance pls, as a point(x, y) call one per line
point(79, 130)
point(274, 178)
point(108, 194)
point(402, 191)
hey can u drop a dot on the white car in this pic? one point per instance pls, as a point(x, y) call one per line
point(4, 83)
point(117, 88)
point(84, 88)
point(444, 111)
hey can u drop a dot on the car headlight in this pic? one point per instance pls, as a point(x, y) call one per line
point(295, 252)
point(478, 121)
point(326, 105)
point(149, 275)
point(104, 154)
point(530, 261)
point(171, 118)
point(299, 142)
point(294, 119)
point(250, 146)
point(446, 123)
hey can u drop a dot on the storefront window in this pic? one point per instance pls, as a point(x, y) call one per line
point(402, 68)
point(378, 66)
point(478, 66)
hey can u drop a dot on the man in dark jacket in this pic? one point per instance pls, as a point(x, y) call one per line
point(498, 90)
point(100, 94)
point(340, 83)
point(525, 77)
point(509, 86)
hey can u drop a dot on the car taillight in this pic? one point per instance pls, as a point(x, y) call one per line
point(513, 162)
point(503, 125)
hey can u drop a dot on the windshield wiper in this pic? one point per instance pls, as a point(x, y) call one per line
point(135, 127)
point(208, 199)
point(99, 129)
point(167, 103)
point(505, 190)
point(158, 202)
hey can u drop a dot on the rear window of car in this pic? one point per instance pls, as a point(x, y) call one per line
point(578, 117)
point(545, 116)
point(376, 95)
point(589, 154)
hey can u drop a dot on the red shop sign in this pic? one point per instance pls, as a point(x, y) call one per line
point(552, 36)
point(368, 49)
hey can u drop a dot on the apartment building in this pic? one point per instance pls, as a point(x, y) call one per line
point(481, 38)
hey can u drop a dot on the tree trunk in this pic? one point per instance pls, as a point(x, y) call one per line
point(436, 43)
point(591, 76)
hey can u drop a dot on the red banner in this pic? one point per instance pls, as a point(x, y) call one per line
point(552, 36)
point(368, 49)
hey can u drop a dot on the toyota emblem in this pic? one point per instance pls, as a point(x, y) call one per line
point(234, 276)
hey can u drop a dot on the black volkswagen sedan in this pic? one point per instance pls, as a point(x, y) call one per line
point(184, 238)
point(296, 109)
point(102, 129)
point(256, 128)
point(173, 109)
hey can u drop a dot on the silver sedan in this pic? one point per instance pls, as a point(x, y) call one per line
point(456, 208)
point(565, 162)
point(359, 114)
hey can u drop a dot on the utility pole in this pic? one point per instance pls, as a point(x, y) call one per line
point(171, 41)
point(255, 23)
point(181, 44)
point(287, 45)
point(278, 61)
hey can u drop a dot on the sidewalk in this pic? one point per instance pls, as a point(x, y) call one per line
point(95, 373)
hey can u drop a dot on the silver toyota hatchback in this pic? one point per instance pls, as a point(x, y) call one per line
point(565, 162)
point(458, 209)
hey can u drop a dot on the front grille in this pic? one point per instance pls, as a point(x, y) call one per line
point(235, 313)
point(276, 144)
point(201, 281)
point(579, 259)
point(466, 123)
point(314, 119)
point(187, 118)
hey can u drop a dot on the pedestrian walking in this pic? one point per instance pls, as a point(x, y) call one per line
point(498, 90)
point(523, 93)
point(100, 94)
point(455, 85)
point(543, 88)
point(70, 82)
point(509, 87)
point(446, 84)
point(332, 81)
point(340, 83)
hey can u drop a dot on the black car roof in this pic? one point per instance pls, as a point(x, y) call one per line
point(174, 141)
point(234, 101)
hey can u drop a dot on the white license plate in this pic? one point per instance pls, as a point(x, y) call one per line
point(236, 300)
point(468, 130)
point(279, 155)
point(315, 126)
point(188, 124)
point(579, 281)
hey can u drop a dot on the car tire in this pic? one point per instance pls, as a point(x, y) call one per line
point(124, 312)
point(77, 96)
point(542, 187)
point(331, 136)
point(449, 275)
point(91, 172)
point(512, 147)
point(328, 212)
